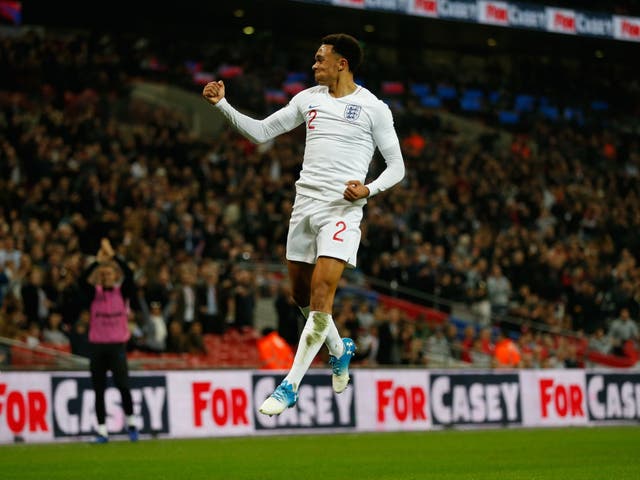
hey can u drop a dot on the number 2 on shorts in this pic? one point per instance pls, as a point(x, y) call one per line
point(341, 228)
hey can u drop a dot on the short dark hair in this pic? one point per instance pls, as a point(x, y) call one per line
point(347, 46)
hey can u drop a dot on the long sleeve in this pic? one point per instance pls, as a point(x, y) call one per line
point(392, 174)
point(260, 131)
point(128, 287)
point(89, 289)
point(387, 141)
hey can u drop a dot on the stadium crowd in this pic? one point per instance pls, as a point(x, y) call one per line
point(536, 230)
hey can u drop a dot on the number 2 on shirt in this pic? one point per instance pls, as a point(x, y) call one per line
point(312, 116)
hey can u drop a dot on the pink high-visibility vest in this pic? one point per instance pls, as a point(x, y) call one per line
point(109, 319)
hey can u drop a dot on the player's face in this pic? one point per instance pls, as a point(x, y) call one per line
point(107, 276)
point(327, 66)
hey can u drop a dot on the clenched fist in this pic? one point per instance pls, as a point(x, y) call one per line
point(355, 190)
point(213, 92)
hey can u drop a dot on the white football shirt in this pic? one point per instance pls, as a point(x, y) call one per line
point(341, 138)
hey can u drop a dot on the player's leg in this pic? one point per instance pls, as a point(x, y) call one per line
point(324, 282)
point(98, 367)
point(301, 252)
point(339, 238)
point(301, 256)
point(120, 370)
point(300, 274)
point(337, 241)
point(315, 226)
point(300, 278)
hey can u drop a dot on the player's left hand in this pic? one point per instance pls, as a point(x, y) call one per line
point(355, 190)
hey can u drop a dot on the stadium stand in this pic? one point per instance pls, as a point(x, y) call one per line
point(528, 163)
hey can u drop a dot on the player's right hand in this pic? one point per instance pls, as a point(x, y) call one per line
point(213, 92)
point(105, 246)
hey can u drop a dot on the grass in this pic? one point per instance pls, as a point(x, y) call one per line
point(510, 454)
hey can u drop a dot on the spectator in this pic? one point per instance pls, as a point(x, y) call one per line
point(364, 316)
point(467, 342)
point(159, 289)
point(389, 328)
point(195, 340)
point(274, 352)
point(36, 299)
point(486, 344)
point(410, 345)
point(437, 351)
point(600, 342)
point(209, 295)
point(79, 336)
point(190, 238)
point(479, 356)
point(33, 335)
point(8, 251)
point(177, 341)
point(155, 329)
point(453, 338)
point(186, 309)
point(623, 329)
point(571, 356)
point(368, 345)
point(507, 354)
point(5, 274)
point(243, 299)
point(499, 290)
point(52, 334)
point(481, 305)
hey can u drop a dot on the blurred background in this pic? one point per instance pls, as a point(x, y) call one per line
point(518, 220)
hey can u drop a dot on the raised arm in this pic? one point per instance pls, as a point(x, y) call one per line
point(258, 131)
point(128, 287)
point(84, 283)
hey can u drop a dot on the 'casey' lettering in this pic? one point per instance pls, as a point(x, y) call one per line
point(474, 399)
point(318, 405)
point(613, 397)
point(74, 413)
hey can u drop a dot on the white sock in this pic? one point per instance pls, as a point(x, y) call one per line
point(131, 421)
point(102, 430)
point(333, 340)
point(311, 339)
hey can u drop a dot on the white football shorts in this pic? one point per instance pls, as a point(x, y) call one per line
point(324, 229)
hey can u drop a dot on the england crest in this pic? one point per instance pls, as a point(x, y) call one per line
point(352, 112)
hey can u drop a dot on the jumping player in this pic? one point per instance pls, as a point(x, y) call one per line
point(345, 123)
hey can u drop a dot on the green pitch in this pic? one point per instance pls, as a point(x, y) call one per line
point(563, 454)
